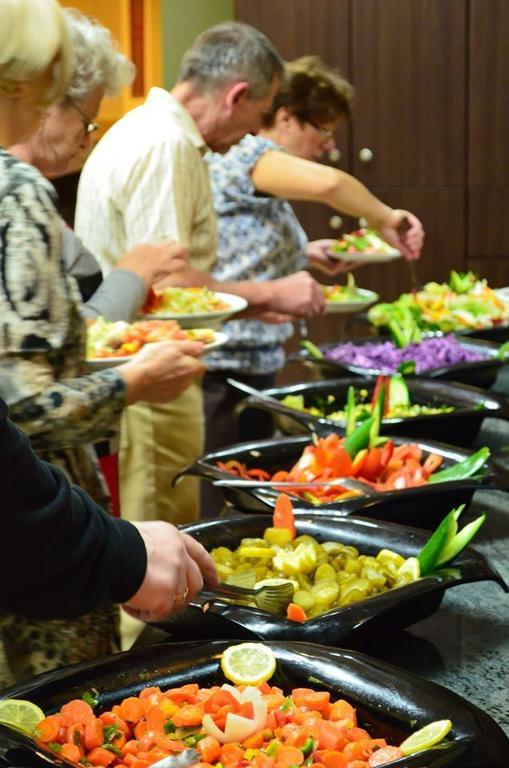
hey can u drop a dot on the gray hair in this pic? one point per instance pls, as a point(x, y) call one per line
point(232, 52)
point(98, 63)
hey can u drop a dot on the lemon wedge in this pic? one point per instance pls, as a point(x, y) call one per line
point(426, 737)
point(21, 714)
point(248, 663)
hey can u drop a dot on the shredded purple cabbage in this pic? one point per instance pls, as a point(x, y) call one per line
point(384, 356)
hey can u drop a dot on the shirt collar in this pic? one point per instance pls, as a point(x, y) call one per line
point(163, 100)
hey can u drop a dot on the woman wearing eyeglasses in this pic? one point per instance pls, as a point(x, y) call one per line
point(260, 238)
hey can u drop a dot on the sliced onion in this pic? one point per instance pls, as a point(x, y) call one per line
point(238, 727)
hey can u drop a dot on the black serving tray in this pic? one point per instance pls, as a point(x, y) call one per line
point(472, 406)
point(390, 702)
point(423, 507)
point(345, 626)
point(480, 373)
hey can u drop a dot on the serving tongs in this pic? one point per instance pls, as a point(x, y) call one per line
point(350, 483)
point(274, 598)
point(276, 406)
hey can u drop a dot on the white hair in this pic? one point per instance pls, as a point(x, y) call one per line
point(98, 63)
point(33, 34)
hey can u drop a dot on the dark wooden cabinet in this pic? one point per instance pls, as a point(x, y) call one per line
point(488, 136)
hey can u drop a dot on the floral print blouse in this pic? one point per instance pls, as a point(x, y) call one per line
point(42, 335)
point(259, 238)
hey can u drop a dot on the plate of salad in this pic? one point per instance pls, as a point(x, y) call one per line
point(192, 306)
point(342, 299)
point(464, 304)
point(364, 245)
point(110, 344)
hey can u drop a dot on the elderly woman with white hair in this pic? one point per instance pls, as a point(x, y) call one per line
point(42, 340)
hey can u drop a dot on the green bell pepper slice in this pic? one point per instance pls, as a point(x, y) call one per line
point(462, 469)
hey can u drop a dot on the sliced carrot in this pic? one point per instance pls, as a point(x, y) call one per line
point(76, 711)
point(109, 718)
point(358, 734)
point(164, 742)
point(130, 748)
point(231, 753)
point(287, 756)
point(148, 692)
point(333, 759)
point(295, 613)
point(75, 734)
point(356, 750)
point(138, 762)
point(93, 734)
point(71, 752)
point(342, 710)
point(261, 760)
point(384, 755)
point(209, 749)
point(131, 710)
point(100, 756)
point(283, 514)
point(255, 741)
point(191, 714)
point(156, 719)
point(331, 735)
point(187, 693)
point(315, 700)
point(48, 729)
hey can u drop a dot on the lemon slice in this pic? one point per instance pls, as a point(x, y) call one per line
point(410, 570)
point(20, 714)
point(426, 737)
point(248, 663)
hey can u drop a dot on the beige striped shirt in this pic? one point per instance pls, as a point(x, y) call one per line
point(146, 181)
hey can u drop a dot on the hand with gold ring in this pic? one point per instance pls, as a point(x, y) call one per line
point(177, 567)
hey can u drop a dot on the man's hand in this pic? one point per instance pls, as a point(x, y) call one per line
point(407, 240)
point(298, 295)
point(161, 371)
point(154, 263)
point(177, 567)
point(320, 256)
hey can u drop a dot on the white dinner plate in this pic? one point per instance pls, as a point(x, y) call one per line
point(111, 362)
point(206, 319)
point(365, 258)
point(346, 307)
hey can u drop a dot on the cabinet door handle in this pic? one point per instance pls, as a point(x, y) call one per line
point(366, 155)
point(335, 222)
point(334, 155)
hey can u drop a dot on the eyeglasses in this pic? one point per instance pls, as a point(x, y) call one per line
point(325, 134)
point(90, 125)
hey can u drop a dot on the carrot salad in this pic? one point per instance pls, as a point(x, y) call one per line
point(272, 730)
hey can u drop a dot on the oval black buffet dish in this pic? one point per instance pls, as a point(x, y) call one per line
point(396, 608)
point(481, 373)
point(471, 406)
point(423, 507)
point(390, 702)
